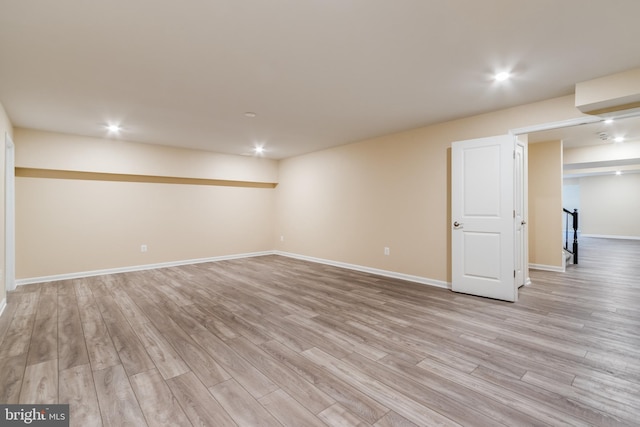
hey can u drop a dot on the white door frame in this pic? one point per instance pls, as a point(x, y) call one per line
point(559, 125)
point(9, 215)
point(521, 194)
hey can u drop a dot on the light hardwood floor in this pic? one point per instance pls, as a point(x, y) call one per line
point(276, 341)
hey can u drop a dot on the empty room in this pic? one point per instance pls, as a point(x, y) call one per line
point(320, 213)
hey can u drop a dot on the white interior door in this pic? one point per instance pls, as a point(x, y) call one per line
point(520, 208)
point(482, 208)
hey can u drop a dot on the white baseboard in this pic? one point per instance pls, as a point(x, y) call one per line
point(379, 272)
point(81, 274)
point(608, 236)
point(3, 305)
point(547, 268)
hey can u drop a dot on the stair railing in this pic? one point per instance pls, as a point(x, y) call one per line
point(574, 225)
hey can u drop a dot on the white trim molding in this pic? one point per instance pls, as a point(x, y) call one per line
point(81, 274)
point(376, 271)
point(583, 120)
point(547, 268)
point(607, 236)
point(3, 305)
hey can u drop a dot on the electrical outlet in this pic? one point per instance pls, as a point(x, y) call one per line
point(386, 251)
point(143, 248)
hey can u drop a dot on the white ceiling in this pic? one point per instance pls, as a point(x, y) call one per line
point(318, 73)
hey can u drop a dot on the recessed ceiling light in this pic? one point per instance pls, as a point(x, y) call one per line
point(608, 121)
point(500, 77)
point(250, 114)
point(619, 139)
point(618, 172)
point(259, 149)
point(113, 128)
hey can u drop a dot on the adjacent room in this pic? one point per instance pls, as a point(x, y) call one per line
point(354, 213)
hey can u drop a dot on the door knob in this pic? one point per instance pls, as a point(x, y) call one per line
point(457, 224)
point(523, 222)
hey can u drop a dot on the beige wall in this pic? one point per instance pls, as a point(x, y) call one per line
point(602, 155)
point(347, 203)
point(5, 127)
point(343, 204)
point(545, 204)
point(609, 205)
point(49, 150)
point(66, 225)
point(609, 93)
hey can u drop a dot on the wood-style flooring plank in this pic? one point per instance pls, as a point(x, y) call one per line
point(11, 375)
point(310, 335)
point(44, 340)
point(523, 404)
point(538, 396)
point(246, 374)
point(131, 351)
point(199, 361)
point(612, 404)
point(102, 353)
point(444, 397)
point(7, 316)
point(394, 420)
point(77, 389)
point(338, 415)
point(118, 403)
point(283, 333)
point(349, 396)
point(252, 330)
point(159, 405)
point(336, 336)
point(610, 386)
point(40, 383)
point(16, 340)
point(166, 359)
point(403, 404)
point(198, 404)
point(72, 351)
point(464, 396)
point(288, 411)
point(27, 299)
point(241, 406)
point(205, 316)
point(132, 312)
point(307, 394)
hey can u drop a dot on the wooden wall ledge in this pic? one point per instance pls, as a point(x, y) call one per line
point(100, 176)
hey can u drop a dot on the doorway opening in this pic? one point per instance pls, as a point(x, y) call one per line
point(599, 178)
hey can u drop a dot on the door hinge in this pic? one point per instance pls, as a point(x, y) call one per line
point(514, 154)
point(514, 213)
point(514, 274)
